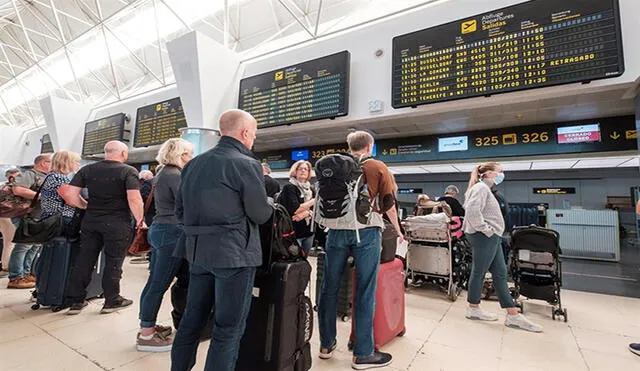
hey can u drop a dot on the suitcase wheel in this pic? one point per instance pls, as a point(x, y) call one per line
point(565, 316)
point(56, 309)
point(345, 318)
point(401, 334)
point(35, 307)
point(350, 345)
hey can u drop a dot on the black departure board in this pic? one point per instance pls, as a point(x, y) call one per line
point(534, 44)
point(98, 132)
point(312, 90)
point(46, 146)
point(156, 123)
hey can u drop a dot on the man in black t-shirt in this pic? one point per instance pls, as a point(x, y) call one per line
point(114, 196)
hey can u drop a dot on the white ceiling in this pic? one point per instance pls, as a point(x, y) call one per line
point(599, 162)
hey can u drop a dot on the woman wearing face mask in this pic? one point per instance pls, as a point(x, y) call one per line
point(483, 226)
point(297, 198)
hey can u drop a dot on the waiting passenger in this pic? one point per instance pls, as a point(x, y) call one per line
point(298, 198)
point(450, 194)
point(23, 255)
point(366, 253)
point(63, 164)
point(163, 236)
point(483, 227)
point(222, 201)
point(271, 185)
point(7, 229)
point(114, 196)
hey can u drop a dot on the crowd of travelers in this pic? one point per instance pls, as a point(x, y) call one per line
point(204, 231)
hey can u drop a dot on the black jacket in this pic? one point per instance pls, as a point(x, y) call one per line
point(291, 199)
point(454, 204)
point(504, 208)
point(272, 186)
point(222, 201)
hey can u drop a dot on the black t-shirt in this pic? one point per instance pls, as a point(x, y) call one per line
point(108, 183)
point(456, 207)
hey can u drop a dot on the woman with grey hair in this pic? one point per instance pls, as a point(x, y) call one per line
point(449, 197)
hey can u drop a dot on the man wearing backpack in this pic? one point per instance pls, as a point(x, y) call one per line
point(353, 194)
point(23, 255)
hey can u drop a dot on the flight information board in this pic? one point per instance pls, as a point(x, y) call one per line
point(156, 123)
point(98, 132)
point(46, 146)
point(534, 44)
point(312, 90)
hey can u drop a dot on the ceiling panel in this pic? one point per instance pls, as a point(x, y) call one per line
point(553, 164)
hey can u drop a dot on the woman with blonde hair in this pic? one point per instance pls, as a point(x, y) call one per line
point(483, 227)
point(63, 164)
point(298, 198)
point(163, 236)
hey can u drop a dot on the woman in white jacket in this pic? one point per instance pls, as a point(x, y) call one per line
point(484, 226)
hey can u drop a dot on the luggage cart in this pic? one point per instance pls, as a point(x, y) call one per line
point(430, 253)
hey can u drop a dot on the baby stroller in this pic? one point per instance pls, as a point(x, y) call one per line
point(536, 267)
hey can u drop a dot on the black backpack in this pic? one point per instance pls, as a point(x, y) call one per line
point(278, 238)
point(343, 197)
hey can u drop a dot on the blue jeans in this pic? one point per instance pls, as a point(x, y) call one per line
point(366, 255)
point(306, 243)
point(163, 268)
point(230, 290)
point(488, 256)
point(21, 259)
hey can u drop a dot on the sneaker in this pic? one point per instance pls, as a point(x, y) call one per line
point(76, 308)
point(154, 343)
point(521, 322)
point(378, 359)
point(20, 283)
point(120, 303)
point(3, 273)
point(478, 314)
point(327, 353)
point(635, 348)
point(30, 278)
point(166, 331)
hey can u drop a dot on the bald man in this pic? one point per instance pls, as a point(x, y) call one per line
point(114, 197)
point(221, 203)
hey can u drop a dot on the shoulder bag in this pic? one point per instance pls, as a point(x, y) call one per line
point(36, 231)
point(140, 244)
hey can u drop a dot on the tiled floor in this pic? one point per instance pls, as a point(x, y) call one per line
point(438, 336)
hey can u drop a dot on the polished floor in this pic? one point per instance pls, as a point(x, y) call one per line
point(438, 336)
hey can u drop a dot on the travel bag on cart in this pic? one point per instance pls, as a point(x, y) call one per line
point(344, 309)
point(432, 227)
point(388, 319)
point(280, 322)
point(53, 269)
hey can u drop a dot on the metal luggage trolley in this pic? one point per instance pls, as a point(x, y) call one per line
point(430, 251)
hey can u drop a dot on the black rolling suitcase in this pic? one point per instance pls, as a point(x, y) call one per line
point(53, 269)
point(345, 306)
point(280, 323)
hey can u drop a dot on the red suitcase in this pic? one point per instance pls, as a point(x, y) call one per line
point(388, 319)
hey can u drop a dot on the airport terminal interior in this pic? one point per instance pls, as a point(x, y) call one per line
point(549, 89)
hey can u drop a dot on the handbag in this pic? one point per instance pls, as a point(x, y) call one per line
point(36, 231)
point(140, 244)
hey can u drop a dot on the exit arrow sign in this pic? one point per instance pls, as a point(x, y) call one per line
point(615, 135)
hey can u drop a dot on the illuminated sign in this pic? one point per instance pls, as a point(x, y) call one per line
point(158, 122)
point(98, 132)
point(453, 144)
point(529, 45)
point(555, 191)
point(312, 90)
point(408, 191)
point(300, 155)
point(579, 134)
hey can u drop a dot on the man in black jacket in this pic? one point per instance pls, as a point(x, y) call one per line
point(271, 185)
point(222, 201)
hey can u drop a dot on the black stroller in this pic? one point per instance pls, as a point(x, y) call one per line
point(536, 267)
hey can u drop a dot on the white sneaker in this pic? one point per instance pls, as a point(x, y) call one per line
point(480, 315)
point(521, 322)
